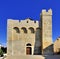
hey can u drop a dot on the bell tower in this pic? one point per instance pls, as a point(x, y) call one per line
point(46, 31)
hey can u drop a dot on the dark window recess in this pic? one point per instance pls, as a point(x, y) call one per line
point(17, 29)
point(34, 21)
point(27, 21)
point(32, 30)
point(24, 29)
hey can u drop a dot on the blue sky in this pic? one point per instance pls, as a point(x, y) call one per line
point(21, 9)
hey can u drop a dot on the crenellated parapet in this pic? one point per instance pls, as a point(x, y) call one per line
point(46, 13)
point(28, 20)
point(25, 24)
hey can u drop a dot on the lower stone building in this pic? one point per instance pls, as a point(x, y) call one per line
point(57, 46)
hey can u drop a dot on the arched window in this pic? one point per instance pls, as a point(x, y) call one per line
point(17, 29)
point(24, 29)
point(28, 49)
point(32, 30)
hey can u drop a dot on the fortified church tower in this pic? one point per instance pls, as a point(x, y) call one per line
point(46, 31)
point(29, 37)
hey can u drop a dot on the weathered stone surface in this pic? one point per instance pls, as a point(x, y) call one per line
point(21, 33)
point(46, 31)
point(57, 46)
point(37, 34)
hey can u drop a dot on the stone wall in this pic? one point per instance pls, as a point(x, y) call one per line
point(20, 33)
point(57, 46)
point(46, 28)
point(23, 32)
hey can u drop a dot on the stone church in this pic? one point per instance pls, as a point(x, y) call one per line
point(30, 37)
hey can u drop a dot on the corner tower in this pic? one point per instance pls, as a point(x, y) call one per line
point(46, 31)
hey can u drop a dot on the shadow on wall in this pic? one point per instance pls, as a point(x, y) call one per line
point(49, 50)
point(57, 53)
point(38, 45)
point(37, 48)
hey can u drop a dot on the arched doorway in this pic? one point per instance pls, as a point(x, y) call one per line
point(28, 49)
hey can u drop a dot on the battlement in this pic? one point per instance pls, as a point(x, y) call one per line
point(46, 13)
point(28, 20)
point(12, 20)
point(22, 23)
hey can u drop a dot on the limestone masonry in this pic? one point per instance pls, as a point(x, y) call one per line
point(29, 37)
